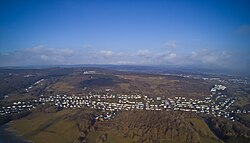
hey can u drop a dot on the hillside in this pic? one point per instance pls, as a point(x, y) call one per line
point(149, 126)
point(78, 126)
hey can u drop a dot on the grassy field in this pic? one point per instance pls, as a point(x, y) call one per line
point(47, 127)
point(242, 101)
point(113, 136)
point(62, 87)
point(169, 86)
point(206, 135)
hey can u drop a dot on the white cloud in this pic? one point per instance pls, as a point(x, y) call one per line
point(123, 63)
point(144, 53)
point(41, 49)
point(215, 58)
point(37, 55)
point(45, 58)
point(172, 55)
point(209, 59)
point(66, 52)
point(171, 44)
point(194, 54)
point(107, 53)
point(167, 56)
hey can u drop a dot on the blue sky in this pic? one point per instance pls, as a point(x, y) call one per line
point(146, 32)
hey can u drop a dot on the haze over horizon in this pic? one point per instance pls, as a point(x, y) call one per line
point(213, 34)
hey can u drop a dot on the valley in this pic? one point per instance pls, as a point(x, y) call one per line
point(104, 105)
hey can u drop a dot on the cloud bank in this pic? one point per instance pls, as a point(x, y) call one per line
point(36, 55)
point(42, 55)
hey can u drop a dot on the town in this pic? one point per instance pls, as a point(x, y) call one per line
point(217, 104)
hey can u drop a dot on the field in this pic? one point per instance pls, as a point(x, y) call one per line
point(47, 127)
point(169, 86)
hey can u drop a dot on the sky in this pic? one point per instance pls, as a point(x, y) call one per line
point(213, 33)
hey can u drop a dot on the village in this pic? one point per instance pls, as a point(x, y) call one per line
point(217, 104)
